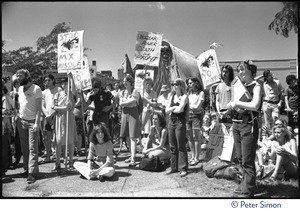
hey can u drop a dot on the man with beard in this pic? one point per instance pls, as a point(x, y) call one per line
point(28, 122)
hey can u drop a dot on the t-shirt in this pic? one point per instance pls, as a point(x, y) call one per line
point(292, 94)
point(102, 153)
point(27, 99)
point(48, 99)
point(194, 98)
point(224, 93)
point(272, 90)
point(101, 99)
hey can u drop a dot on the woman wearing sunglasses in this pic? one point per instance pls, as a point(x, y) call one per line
point(177, 110)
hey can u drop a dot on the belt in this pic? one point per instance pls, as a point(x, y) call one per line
point(241, 122)
point(273, 102)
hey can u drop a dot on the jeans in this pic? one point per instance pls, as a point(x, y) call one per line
point(245, 142)
point(29, 145)
point(177, 141)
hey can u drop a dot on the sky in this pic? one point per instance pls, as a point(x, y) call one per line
point(110, 28)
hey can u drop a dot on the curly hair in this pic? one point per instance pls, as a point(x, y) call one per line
point(290, 78)
point(97, 128)
point(161, 119)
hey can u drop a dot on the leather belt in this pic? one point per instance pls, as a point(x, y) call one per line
point(272, 102)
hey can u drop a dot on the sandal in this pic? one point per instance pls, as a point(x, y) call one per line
point(132, 164)
point(127, 160)
point(270, 180)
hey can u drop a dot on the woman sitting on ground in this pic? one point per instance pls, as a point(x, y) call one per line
point(283, 154)
point(100, 153)
point(156, 142)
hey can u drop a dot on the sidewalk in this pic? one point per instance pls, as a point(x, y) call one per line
point(127, 182)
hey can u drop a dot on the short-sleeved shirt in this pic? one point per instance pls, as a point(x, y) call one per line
point(102, 153)
point(48, 98)
point(292, 94)
point(27, 99)
point(224, 93)
point(272, 90)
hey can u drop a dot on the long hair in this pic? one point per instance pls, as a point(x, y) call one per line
point(198, 85)
point(230, 70)
point(250, 66)
point(97, 128)
point(161, 119)
point(284, 130)
point(180, 82)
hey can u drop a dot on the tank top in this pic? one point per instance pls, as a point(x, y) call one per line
point(178, 115)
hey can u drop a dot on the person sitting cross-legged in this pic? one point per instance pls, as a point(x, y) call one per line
point(100, 153)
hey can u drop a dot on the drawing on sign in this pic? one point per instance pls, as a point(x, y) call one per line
point(71, 43)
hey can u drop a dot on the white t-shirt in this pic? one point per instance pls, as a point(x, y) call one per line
point(48, 98)
point(28, 108)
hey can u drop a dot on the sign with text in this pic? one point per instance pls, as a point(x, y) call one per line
point(69, 51)
point(147, 49)
point(220, 142)
point(140, 76)
point(209, 67)
point(82, 78)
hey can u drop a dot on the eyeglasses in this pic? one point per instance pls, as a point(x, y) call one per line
point(174, 84)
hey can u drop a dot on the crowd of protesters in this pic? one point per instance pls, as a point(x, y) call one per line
point(171, 123)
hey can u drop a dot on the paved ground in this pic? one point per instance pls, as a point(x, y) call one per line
point(127, 182)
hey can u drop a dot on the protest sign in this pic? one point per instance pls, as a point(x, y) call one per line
point(147, 50)
point(82, 77)
point(239, 91)
point(220, 142)
point(70, 51)
point(140, 76)
point(209, 67)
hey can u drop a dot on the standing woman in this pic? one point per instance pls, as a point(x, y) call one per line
point(130, 122)
point(177, 107)
point(61, 105)
point(194, 125)
point(245, 128)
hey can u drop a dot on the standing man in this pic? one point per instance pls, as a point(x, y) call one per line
point(272, 97)
point(28, 123)
point(47, 104)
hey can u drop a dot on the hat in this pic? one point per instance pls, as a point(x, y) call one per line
point(164, 88)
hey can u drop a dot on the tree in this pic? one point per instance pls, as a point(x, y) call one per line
point(286, 20)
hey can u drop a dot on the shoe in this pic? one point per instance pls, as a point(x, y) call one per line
point(71, 166)
point(24, 174)
point(243, 194)
point(101, 178)
point(183, 174)
point(30, 179)
point(45, 161)
point(55, 168)
point(132, 164)
point(237, 190)
point(194, 162)
point(127, 160)
point(172, 172)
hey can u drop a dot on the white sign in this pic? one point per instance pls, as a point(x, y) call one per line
point(209, 67)
point(220, 142)
point(70, 51)
point(140, 76)
point(147, 49)
point(82, 78)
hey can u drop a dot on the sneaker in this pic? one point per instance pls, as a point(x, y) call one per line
point(194, 162)
point(183, 174)
point(127, 160)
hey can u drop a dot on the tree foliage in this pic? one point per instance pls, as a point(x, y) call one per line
point(286, 20)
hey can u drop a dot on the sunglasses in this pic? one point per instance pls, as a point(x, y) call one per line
point(174, 84)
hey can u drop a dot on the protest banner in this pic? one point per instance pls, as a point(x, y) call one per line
point(220, 142)
point(70, 51)
point(147, 50)
point(209, 67)
point(140, 76)
point(82, 78)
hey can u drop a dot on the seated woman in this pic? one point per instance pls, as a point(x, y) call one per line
point(283, 154)
point(156, 142)
point(264, 146)
point(100, 153)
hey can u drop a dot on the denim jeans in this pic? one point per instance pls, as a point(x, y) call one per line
point(29, 145)
point(245, 142)
point(177, 142)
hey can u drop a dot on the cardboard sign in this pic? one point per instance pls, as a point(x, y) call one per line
point(70, 51)
point(239, 91)
point(220, 142)
point(209, 67)
point(82, 78)
point(140, 76)
point(147, 49)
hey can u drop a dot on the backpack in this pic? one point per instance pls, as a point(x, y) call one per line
point(151, 164)
point(213, 165)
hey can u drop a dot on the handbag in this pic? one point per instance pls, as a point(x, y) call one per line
point(151, 164)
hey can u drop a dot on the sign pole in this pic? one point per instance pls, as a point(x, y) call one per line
point(67, 122)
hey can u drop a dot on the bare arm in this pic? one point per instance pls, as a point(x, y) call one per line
point(255, 102)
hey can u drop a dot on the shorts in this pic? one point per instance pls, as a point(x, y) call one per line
point(195, 121)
